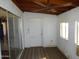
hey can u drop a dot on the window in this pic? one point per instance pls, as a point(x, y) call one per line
point(64, 30)
point(77, 33)
point(77, 36)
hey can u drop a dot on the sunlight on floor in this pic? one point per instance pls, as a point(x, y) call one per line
point(44, 58)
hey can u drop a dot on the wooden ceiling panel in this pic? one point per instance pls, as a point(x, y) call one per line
point(57, 1)
point(46, 6)
point(42, 1)
point(31, 6)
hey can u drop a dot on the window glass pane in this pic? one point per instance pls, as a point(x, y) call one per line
point(77, 37)
point(64, 30)
point(78, 34)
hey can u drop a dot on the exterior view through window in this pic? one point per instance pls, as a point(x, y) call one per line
point(77, 36)
point(64, 30)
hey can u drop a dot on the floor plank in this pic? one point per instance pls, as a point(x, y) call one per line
point(42, 53)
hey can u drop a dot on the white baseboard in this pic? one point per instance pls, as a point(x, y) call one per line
point(42, 46)
point(50, 46)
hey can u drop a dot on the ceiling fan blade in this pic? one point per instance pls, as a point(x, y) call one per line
point(40, 4)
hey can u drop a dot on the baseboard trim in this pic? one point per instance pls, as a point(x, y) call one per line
point(50, 46)
point(20, 54)
point(42, 46)
point(62, 52)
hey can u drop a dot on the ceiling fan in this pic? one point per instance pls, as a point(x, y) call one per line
point(51, 7)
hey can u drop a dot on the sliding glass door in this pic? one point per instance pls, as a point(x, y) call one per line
point(11, 44)
point(14, 38)
point(11, 36)
point(0, 50)
point(3, 34)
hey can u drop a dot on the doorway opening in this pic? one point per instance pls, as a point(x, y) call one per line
point(4, 37)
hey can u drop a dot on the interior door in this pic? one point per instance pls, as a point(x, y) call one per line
point(11, 36)
point(35, 32)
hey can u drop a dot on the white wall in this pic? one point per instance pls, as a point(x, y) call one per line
point(49, 24)
point(68, 47)
point(10, 6)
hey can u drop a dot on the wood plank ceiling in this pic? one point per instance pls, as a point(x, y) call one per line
point(46, 6)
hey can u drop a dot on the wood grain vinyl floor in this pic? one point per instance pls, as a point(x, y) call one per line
point(42, 53)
